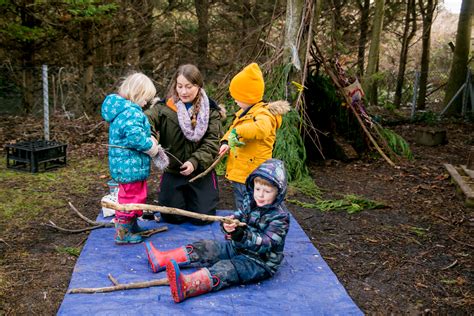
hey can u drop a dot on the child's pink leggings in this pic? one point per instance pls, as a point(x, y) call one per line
point(135, 192)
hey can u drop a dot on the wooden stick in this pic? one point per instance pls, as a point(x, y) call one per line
point(84, 217)
point(113, 280)
point(123, 147)
point(202, 174)
point(53, 225)
point(349, 103)
point(148, 233)
point(361, 123)
point(171, 210)
point(118, 287)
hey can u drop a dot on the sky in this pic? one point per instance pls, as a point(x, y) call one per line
point(453, 6)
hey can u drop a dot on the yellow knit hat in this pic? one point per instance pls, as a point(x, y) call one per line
point(248, 86)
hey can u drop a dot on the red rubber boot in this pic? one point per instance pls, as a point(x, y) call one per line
point(159, 259)
point(187, 285)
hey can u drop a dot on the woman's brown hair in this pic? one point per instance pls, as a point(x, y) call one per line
point(193, 75)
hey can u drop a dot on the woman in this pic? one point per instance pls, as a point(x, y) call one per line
point(188, 125)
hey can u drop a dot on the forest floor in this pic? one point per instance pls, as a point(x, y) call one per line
point(413, 256)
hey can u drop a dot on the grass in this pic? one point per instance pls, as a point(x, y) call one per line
point(28, 194)
point(73, 251)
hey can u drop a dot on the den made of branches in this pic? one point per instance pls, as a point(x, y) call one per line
point(329, 117)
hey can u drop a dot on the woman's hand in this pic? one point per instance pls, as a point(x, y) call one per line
point(224, 148)
point(229, 227)
point(186, 168)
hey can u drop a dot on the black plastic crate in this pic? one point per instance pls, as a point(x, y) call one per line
point(35, 156)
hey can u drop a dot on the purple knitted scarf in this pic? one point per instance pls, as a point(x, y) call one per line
point(202, 119)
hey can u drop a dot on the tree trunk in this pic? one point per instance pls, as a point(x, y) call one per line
point(364, 28)
point(370, 86)
point(246, 20)
point(202, 12)
point(457, 74)
point(87, 80)
point(294, 14)
point(145, 33)
point(408, 33)
point(27, 60)
point(427, 9)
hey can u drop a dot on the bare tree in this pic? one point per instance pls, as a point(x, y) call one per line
point(202, 12)
point(409, 30)
point(427, 9)
point(459, 64)
point(364, 8)
point(370, 82)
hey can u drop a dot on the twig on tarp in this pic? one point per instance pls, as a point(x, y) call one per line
point(171, 210)
point(118, 286)
point(148, 233)
point(113, 280)
point(202, 174)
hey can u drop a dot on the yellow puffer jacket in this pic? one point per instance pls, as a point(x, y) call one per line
point(257, 129)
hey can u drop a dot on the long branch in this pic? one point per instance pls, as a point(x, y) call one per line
point(166, 152)
point(118, 287)
point(211, 166)
point(170, 210)
point(361, 123)
point(369, 135)
point(84, 217)
point(74, 231)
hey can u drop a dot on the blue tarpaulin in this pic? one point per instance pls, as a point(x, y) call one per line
point(304, 284)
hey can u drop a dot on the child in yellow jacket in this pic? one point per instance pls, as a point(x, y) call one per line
point(252, 135)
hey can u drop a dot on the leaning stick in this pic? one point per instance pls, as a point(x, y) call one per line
point(85, 218)
point(166, 152)
point(348, 100)
point(118, 287)
point(361, 123)
point(171, 210)
point(202, 174)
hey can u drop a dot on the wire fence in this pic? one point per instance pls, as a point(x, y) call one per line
point(66, 88)
point(22, 86)
point(434, 96)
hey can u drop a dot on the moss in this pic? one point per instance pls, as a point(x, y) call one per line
point(27, 194)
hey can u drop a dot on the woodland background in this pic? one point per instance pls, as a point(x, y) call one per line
point(413, 256)
point(89, 45)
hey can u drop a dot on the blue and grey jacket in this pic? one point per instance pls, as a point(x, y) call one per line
point(264, 237)
point(130, 131)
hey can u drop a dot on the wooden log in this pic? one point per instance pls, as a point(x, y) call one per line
point(170, 210)
point(468, 172)
point(118, 287)
point(465, 187)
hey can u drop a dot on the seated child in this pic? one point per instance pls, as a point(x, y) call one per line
point(251, 253)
